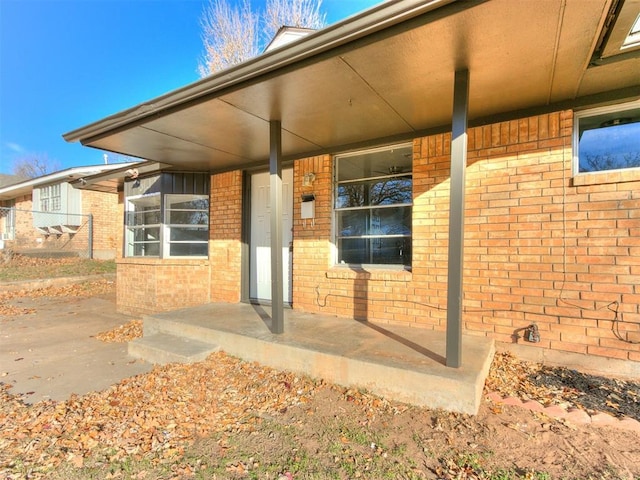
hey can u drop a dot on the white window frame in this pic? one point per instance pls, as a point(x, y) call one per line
point(164, 228)
point(380, 236)
point(131, 229)
point(51, 198)
point(594, 112)
point(168, 226)
point(8, 218)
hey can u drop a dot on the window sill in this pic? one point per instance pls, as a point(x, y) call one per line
point(163, 261)
point(380, 274)
point(601, 178)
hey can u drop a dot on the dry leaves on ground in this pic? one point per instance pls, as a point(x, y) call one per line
point(551, 385)
point(18, 260)
point(156, 413)
point(84, 289)
point(124, 333)
point(156, 416)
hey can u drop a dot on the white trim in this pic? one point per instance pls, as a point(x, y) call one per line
point(335, 250)
point(68, 175)
point(593, 112)
point(167, 227)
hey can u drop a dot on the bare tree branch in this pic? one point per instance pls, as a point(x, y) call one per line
point(34, 165)
point(228, 34)
point(292, 13)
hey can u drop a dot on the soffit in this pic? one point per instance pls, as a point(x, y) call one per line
point(520, 54)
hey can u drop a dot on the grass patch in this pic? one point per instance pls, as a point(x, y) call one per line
point(23, 268)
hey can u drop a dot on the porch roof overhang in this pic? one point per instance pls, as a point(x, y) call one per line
point(113, 181)
point(382, 76)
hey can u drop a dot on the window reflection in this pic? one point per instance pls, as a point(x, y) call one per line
point(373, 199)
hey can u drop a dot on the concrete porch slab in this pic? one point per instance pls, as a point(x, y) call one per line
point(401, 363)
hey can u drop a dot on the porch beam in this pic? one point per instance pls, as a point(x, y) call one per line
point(275, 196)
point(456, 218)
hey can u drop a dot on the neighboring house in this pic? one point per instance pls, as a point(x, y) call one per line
point(47, 213)
point(7, 212)
point(468, 166)
point(9, 179)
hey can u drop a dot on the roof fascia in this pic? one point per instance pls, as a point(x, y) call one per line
point(68, 175)
point(143, 168)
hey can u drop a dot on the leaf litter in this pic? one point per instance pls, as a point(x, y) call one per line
point(568, 388)
point(158, 416)
point(124, 333)
point(156, 413)
point(9, 301)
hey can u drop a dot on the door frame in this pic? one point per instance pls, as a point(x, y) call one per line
point(245, 287)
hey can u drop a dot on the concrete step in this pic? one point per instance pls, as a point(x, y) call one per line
point(162, 348)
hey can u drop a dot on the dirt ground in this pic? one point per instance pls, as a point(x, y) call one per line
point(225, 419)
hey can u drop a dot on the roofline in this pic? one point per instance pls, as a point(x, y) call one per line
point(142, 168)
point(376, 19)
point(68, 174)
point(284, 29)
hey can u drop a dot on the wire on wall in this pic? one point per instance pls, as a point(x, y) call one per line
point(613, 306)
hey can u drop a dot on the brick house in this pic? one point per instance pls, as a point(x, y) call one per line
point(47, 213)
point(437, 164)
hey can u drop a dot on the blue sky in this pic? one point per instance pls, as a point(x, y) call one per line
point(67, 63)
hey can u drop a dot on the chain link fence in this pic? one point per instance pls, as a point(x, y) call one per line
point(47, 234)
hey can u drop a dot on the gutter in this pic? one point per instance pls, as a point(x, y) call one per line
point(86, 182)
point(374, 20)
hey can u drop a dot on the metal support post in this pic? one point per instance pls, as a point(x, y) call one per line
point(456, 218)
point(275, 183)
point(90, 239)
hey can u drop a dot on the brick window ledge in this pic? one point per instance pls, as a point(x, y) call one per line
point(373, 274)
point(600, 178)
point(164, 262)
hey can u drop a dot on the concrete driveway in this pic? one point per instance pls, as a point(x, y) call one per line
point(53, 352)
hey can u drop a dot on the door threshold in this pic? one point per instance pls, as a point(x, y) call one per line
point(267, 303)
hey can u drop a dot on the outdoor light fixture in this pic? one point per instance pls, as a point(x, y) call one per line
point(308, 179)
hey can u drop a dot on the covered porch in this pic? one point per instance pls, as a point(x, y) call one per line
point(399, 362)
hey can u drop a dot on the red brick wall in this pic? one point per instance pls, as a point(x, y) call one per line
point(149, 285)
point(107, 222)
point(24, 233)
point(539, 246)
point(225, 247)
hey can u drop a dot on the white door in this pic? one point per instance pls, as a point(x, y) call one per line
point(260, 261)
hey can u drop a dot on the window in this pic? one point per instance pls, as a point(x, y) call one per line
point(187, 225)
point(50, 198)
point(7, 220)
point(373, 198)
point(185, 230)
point(167, 215)
point(143, 221)
point(607, 138)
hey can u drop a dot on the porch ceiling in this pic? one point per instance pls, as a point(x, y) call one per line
point(385, 74)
